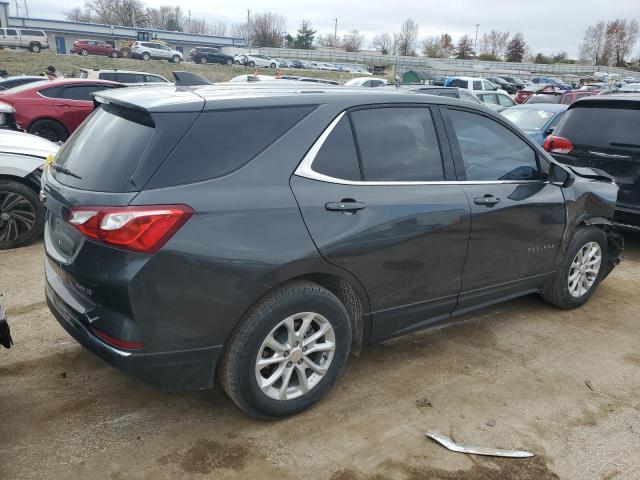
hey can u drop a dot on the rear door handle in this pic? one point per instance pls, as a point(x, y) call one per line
point(347, 206)
point(487, 200)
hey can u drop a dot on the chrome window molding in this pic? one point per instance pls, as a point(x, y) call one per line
point(305, 169)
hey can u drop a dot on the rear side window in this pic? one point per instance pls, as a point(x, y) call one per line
point(80, 92)
point(601, 127)
point(477, 85)
point(506, 101)
point(459, 83)
point(398, 144)
point(105, 151)
point(491, 151)
point(489, 98)
point(338, 157)
point(32, 33)
point(221, 142)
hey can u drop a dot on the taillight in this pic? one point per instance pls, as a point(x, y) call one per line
point(116, 342)
point(555, 144)
point(138, 228)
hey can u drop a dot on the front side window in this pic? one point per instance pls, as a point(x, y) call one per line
point(490, 151)
point(489, 98)
point(477, 85)
point(506, 101)
point(398, 144)
point(338, 157)
point(11, 32)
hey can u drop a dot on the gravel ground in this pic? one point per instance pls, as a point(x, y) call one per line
point(565, 385)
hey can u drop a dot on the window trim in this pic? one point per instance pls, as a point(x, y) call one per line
point(305, 168)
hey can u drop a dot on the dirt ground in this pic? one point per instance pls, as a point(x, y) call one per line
point(565, 385)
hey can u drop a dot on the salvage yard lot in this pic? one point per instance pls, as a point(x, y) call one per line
point(26, 63)
point(563, 384)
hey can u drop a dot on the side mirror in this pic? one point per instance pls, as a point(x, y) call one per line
point(558, 176)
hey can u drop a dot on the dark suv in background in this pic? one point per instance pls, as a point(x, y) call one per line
point(602, 132)
point(210, 55)
point(325, 218)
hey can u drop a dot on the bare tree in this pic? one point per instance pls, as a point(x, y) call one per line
point(266, 29)
point(465, 48)
point(383, 43)
point(352, 41)
point(166, 17)
point(494, 43)
point(327, 40)
point(592, 47)
point(516, 48)
point(218, 28)
point(621, 37)
point(438, 47)
point(407, 38)
point(78, 14)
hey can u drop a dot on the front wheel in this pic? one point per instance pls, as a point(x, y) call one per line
point(146, 56)
point(114, 54)
point(229, 61)
point(273, 65)
point(288, 351)
point(21, 215)
point(581, 270)
point(252, 63)
point(49, 129)
point(176, 59)
point(203, 60)
point(84, 52)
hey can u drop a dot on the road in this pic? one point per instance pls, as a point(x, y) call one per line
point(562, 384)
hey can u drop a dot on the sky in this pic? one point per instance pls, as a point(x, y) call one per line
point(548, 26)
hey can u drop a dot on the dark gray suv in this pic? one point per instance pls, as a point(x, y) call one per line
point(266, 232)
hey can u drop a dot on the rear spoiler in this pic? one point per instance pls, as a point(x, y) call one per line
point(188, 79)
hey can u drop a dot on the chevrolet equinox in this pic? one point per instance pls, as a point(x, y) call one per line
point(267, 232)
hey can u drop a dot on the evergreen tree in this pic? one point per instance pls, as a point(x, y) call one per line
point(304, 38)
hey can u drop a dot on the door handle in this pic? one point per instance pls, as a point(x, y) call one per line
point(345, 206)
point(487, 200)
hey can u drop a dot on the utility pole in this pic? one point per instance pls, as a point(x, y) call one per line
point(189, 22)
point(249, 28)
point(335, 39)
point(475, 43)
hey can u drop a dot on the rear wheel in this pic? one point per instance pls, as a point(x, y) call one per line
point(21, 215)
point(125, 52)
point(34, 47)
point(229, 61)
point(288, 351)
point(176, 59)
point(114, 54)
point(84, 52)
point(146, 56)
point(581, 270)
point(203, 60)
point(49, 129)
point(273, 65)
point(252, 63)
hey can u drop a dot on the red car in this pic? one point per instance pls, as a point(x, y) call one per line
point(94, 47)
point(53, 109)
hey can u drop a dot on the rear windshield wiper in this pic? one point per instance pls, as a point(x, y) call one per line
point(64, 171)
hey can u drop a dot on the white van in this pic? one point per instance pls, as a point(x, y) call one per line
point(34, 40)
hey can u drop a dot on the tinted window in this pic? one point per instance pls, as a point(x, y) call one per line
point(95, 160)
point(398, 144)
point(33, 33)
point(458, 83)
point(601, 127)
point(11, 32)
point(122, 77)
point(53, 92)
point(154, 78)
point(338, 157)
point(80, 92)
point(448, 94)
point(220, 142)
point(477, 85)
point(491, 151)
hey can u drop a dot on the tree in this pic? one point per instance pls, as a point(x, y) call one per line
point(305, 36)
point(266, 29)
point(441, 47)
point(407, 38)
point(516, 48)
point(592, 47)
point(328, 40)
point(494, 43)
point(465, 48)
point(542, 59)
point(352, 41)
point(621, 37)
point(383, 43)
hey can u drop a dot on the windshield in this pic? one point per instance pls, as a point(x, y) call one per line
point(528, 120)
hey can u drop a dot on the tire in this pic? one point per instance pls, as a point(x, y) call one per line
point(146, 57)
point(114, 54)
point(252, 63)
point(558, 289)
point(203, 60)
point(229, 62)
point(23, 221)
point(84, 52)
point(125, 52)
point(175, 59)
point(49, 129)
point(35, 47)
point(237, 62)
point(273, 65)
point(238, 370)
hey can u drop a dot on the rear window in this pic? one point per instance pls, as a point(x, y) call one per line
point(105, 151)
point(221, 142)
point(601, 127)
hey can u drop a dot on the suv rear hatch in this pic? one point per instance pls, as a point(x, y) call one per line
point(603, 134)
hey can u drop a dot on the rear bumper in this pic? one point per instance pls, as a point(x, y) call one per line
point(177, 370)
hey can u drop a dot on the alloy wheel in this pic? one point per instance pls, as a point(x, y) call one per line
point(17, 216)
point(295, 356)
point(584, 269)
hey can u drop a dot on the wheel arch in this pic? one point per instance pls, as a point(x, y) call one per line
point(52, 119)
